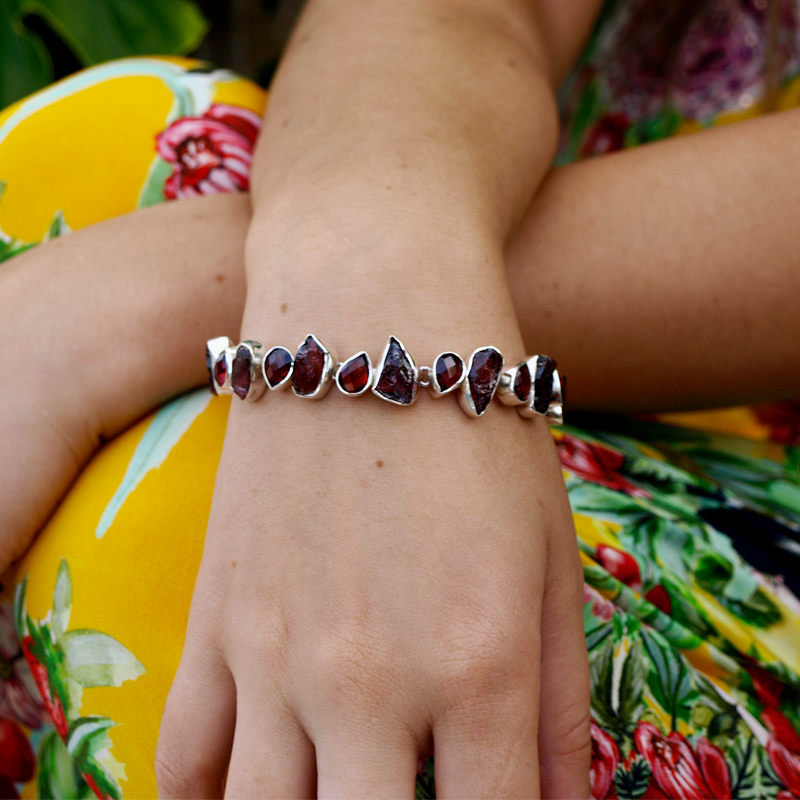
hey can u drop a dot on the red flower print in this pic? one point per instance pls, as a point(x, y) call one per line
point(677, 770)
point(786, 765)
point(607, 135)
point(209, 154)
point(16, 755)
point(19, 698)
point(767, 687)
point(605, 760)
point(623, 566)
point(660, 598)
point(601, 608)
point(782, 418)
point(52, 702)
point(781, 728)
point(595, 463)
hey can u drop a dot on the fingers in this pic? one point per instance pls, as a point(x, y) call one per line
point(194, 742)
point(486, 745)
point(564, 734)
point(360, 761)
point(272, 756)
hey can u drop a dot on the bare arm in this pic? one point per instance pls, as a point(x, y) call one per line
point(667, 277)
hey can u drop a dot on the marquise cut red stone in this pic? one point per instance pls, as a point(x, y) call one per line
point(309, 367)
point(277, 365)
point(221, 369)
point(522, 382)
point(354, 376)
point(484, 373)
point(449, 369)
point(240, 373)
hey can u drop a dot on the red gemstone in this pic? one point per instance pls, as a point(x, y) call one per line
point(522, 382)
point(484, 373)
point(397, 381)
point(543, 383)
point(221, 369)
point(354, 376)
point(309, 367)
point(277, 365)
point(449, 369)
point(240, 374)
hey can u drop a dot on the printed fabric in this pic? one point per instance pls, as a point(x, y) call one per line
point(688, 524)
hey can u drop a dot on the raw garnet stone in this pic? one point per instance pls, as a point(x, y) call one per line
point(354, 375)
point(309, 367)
point(543, 384)
point(221, 369)
point(210, 368)
point(487, 364)
point(277, 365)
point(240, 374)
point(522, 382)
point(449, 370)
point(396, 381)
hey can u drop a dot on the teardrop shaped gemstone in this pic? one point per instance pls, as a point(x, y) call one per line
point(397, 381)
point(449, 369)
point(309, 368)
point(543, 383)
point(221, 370)
point(484, 374)
point(210, 368)
point(354, 375)
point(277, 364)
point(240, 373)
point(522, 382)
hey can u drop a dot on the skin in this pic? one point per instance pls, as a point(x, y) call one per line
point(362, 605)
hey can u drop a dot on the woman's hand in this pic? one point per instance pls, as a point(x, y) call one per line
point(378, 582)
point(97, 329)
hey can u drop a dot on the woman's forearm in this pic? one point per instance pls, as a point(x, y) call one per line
point(667, 277)
point(121, 310)
point(98, 328)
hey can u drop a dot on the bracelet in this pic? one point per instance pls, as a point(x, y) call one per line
point(533, 386)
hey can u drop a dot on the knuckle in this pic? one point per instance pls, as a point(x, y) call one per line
point(353, 668)
point(573, 742)
point(485, 658)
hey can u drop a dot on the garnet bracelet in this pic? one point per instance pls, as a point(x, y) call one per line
point(533, 385)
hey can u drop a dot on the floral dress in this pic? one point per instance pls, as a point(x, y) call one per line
point(688, 524)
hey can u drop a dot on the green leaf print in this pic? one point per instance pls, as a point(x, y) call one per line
point(58, 777)
point(96, 659)
point(631, 784)
point(62, 599)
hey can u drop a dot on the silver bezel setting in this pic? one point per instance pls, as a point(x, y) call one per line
point(465, 398)
point(379, 370)
point(329, 365)
point(370, 379)
point(505, 387)
point(257, 383)
point(436, 390)
point(288, 379)
point(214, 348)
point(555, 411)
point(229, 353)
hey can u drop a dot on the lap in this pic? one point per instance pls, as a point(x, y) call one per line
point(695, 655)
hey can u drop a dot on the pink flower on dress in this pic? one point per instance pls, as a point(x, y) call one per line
point(679, 771)
point(209, 154)
point(786, 765)
point(19, 697)
point(596, 463)
point(603, 609)
point(605, 760)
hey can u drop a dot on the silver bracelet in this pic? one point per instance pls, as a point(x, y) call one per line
point(245, 370)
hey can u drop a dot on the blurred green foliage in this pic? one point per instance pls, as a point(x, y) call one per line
point(35, 35)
